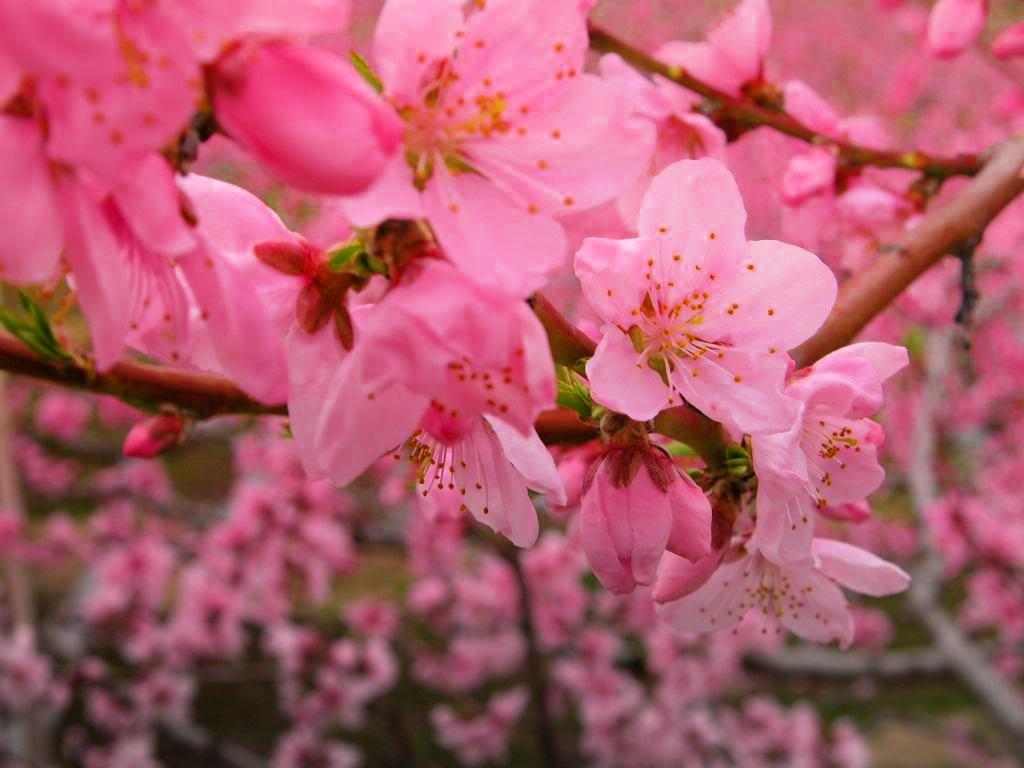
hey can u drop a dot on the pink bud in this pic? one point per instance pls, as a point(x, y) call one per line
point(954, 25)
point(153, 435)
point(306, 115)
point(1010, 42)
point(637, 506)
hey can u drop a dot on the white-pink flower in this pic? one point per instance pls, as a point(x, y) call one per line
point(828, 455)
point(694, 312)
point(805, 600)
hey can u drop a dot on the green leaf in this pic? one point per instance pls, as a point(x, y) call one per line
point(368, 74)
point(675, 448)
point(339, 260)
point(573, 392)
point(33, 329)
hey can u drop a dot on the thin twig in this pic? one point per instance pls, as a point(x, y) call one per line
point(993, 690)
point(746, 113)
point(866, 294)
point(32, 732)
point(828, 663)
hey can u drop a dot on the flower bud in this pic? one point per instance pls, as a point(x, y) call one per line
point(306, 115)
point(636, 505)
point(153, 435)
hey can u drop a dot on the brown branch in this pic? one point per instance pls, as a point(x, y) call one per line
point(745, 113)
point(202, 395)
point(30, 729)
point(827, 663)
point(994, 690)
point(860, 300)
point(868, 293)
point(536, 671)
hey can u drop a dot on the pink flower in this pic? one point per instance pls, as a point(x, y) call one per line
point(483, 738)
point(682, 131)
point(694, 312)
point(804, 600)
point(503, 131)
point(306, 115)
point(637, 505)
point(117, 80)
point(455, 373)
point(1009, 42)
point(733, 56)
point(813, 171)
point(142, 273)
point(954, 25)
point(828, 456)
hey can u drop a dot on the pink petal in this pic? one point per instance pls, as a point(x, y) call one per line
point(690, 536)
point(504, 504)
point(232, 220)
point(494, 242)
point(213, 24)
point(524, 48)
point(695, 209)
point(106, 119)
point(10, 78)
point(148, 198)
point(31, 233)
point(391, 196)
point(822, 613)
point(100, 279)
point(785, 523)
point(1009, 42)
point(854, 473)
point(808, 107)
point(247, 346)
point(622, 381)
point(313, 360)
point(307, 115)
point(678, 577)
point(885, 359)
point(705, 63)
point(781, 295)
point(741, 389)
point(858, 569)
point(808, 174)
point(715, 604)
point(743, 36)
point(558, 175)
point(531, 458)
point(644, 97)
point(411, 38)
point(345, 439)
point(612, 276)
point(954, 25)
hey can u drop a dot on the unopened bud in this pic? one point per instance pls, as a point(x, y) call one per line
point(153, 435)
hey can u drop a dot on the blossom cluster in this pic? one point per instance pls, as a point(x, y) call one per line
point(607, 492)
